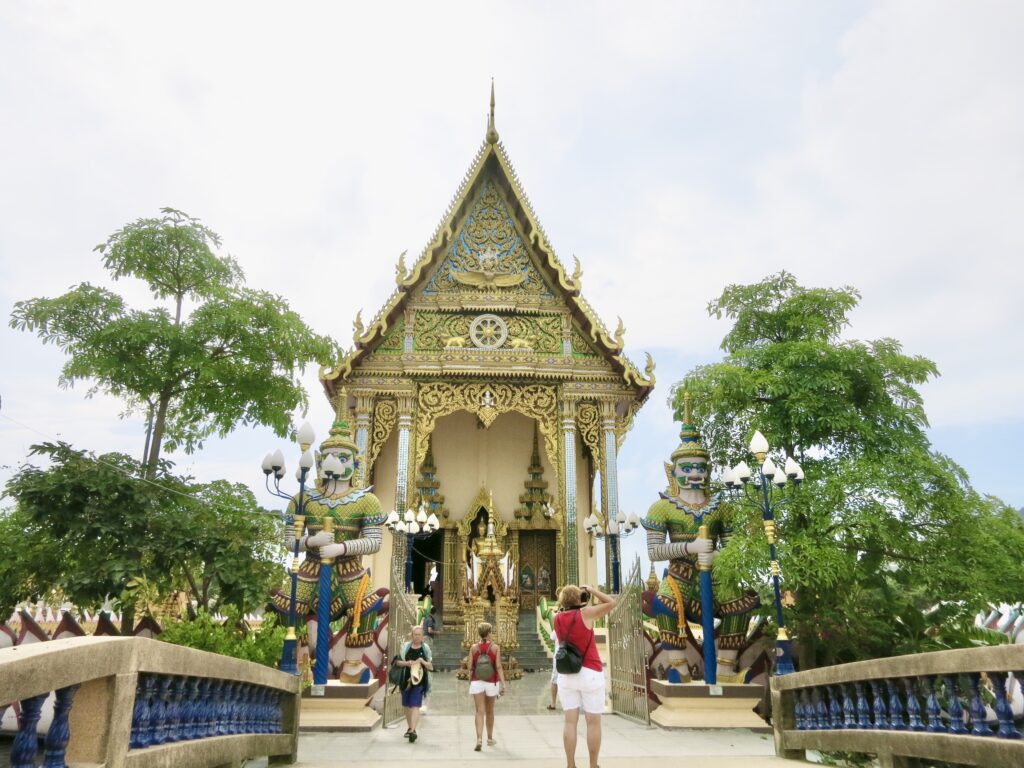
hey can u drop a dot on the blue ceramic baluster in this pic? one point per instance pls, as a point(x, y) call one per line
point(954, 707)
point(835, 707)
point(913, 705)
point(978, 713)
point(849, 707)
point(217, 709)
point(26, 743)
point(163, 734)
point(932, 704)
point(1007, 730)
point(863, 710)
point(174, 710)
point(881, 711)
point(140, 714)
point(59, 733)
point(821, 710)
point(896, 710)
point(799, 710)
point(193, 708)
point(278, 703)
point(204, 712)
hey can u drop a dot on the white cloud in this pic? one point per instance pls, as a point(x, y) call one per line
point(675, 149)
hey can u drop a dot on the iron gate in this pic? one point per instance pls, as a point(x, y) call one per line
point(401, 619)
point(628, 657)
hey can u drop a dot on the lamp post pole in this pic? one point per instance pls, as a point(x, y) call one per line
point(738, 479)
point(273, 464)
point(619, 528)
point(414, 525)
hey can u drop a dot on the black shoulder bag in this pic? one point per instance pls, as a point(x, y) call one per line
point(568, 658)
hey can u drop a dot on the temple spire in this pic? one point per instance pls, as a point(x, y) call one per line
point(492, 133)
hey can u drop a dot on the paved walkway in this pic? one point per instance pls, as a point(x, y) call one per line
point(449, 739)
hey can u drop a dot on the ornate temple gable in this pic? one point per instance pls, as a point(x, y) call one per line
point(489, 273)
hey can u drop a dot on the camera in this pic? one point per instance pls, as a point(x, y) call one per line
point(584, 597)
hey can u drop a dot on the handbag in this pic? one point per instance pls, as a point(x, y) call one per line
point(569, 658)
point(396, 674)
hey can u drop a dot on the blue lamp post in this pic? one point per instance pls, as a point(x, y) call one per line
point(620, 528)
point(274, 465)
point(761, 490)
point(414, 525)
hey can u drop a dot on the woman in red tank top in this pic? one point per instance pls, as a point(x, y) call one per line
point(580, 607)
point(486, 682)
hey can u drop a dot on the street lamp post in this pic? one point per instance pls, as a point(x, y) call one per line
point(414, 525)
point(274, 465)
point(759, 490)
point(621, 527)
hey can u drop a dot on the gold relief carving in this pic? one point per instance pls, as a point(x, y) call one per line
point(487, 401)
point(393, 342)
point(385, 414)
point(433, 330)
point(438, 330)
point(588, 422)
point(626, 423)
point(580, 345)
point(488, 253)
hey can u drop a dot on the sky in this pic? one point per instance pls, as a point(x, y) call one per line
point(675, 148)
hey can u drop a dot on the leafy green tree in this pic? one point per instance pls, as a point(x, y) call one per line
point(883, 527)
point(215, 354)
point(94, 529)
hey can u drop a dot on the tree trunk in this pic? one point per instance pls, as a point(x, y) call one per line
point(149, 434)
point(128, 619)
point(808, 652)
point(158, 435)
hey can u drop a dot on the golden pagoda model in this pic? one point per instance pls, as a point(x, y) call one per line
point(485, 343)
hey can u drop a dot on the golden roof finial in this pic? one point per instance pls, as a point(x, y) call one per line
point(492, 133)
point(687, 418)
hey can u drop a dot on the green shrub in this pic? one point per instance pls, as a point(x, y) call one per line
point(232, 637)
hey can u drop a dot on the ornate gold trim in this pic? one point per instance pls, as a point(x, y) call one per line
point(487, 401)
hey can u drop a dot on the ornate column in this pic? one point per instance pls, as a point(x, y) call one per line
point(610, 468)
point(406, 404)
point(572, 552)
point(611, 473)
point(364, 407)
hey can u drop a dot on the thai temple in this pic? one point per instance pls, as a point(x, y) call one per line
point(486, 390)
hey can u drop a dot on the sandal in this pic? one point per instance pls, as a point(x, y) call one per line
point(491, 742)
point(551, 707)
point(407, 732)
point(412, 736)
point(478, 747)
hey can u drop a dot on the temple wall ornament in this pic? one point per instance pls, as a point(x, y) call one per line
point(385, 416)
point(488, 401)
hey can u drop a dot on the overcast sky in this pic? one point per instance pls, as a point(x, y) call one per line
point(673, 147)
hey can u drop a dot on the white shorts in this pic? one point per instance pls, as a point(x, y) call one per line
point(584, 689)
point(482, 686)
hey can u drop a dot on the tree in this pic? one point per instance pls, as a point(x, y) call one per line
point(883, 526)
point(93, 528)
point(218, 354)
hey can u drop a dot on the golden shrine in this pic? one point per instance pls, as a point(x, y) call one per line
point(487, 389)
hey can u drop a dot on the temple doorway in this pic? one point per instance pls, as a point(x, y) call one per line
point(427, 568)
point(536, 573)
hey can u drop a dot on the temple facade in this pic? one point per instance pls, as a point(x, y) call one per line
point(486, 388)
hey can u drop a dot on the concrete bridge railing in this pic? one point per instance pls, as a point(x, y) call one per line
point(138, 703)
point(948, 705)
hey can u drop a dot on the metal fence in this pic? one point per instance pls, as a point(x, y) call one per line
point(628, 657)
point(401, 619)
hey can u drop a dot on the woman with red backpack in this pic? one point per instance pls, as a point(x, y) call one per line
point(486, 682)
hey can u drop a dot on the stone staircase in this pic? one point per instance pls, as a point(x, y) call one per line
point(448, 652)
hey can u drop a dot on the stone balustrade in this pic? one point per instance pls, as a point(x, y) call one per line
point(953, 706)
point(139, 702)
